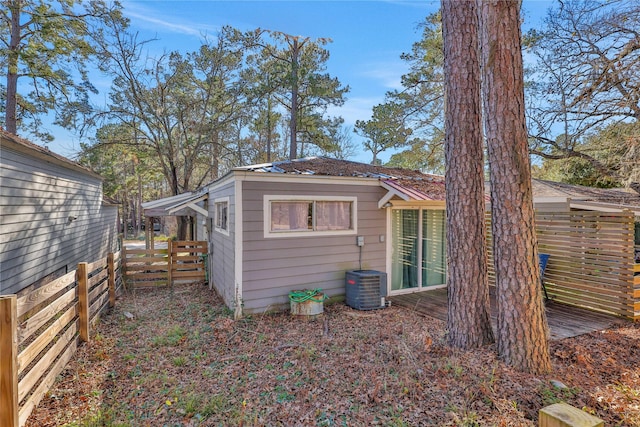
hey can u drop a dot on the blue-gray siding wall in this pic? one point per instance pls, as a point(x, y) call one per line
point(222, 247)
point(36, 237)
point(272, 267)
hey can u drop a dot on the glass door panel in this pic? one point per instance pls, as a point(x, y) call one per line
point(404, 260)
point(434, 250)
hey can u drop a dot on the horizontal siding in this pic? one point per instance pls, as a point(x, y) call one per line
point(273, 267)
point(201, 230)
point(222, 254)
point(36, 238)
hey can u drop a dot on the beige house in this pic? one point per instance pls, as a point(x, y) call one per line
point(302, 224)
point(549, 195)
point(556, 196)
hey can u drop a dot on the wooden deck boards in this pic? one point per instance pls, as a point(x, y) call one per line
point(564, 321)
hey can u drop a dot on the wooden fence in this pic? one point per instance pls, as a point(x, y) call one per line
point(592, 260)
point(40, 332)
point(636, 291)
point(182, 260)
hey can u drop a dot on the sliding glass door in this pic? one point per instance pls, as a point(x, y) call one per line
point(404, 269)
point(418, 257)
point(434, 250)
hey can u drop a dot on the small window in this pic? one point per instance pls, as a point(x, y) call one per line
point(332, 215)
point(288, 216)
point(222, 215)
point(291, 216)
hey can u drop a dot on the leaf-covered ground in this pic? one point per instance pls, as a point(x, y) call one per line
point(182, 360)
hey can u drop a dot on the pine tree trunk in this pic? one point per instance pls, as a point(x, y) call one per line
point(469, 321)
point(522, 332)
point(293, 124)
point(11, 106)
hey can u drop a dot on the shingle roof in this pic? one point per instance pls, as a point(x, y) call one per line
point(423, 186)
point(44, 153)
point(542, 188)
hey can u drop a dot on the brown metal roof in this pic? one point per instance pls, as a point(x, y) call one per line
point(421, 186)
point(416, 189)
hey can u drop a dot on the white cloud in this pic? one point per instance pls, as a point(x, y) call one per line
point(141, 14)
point(167, 26)
point(387, 74)
point(355, 109)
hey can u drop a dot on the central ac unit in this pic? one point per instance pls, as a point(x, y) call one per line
point(366, 289)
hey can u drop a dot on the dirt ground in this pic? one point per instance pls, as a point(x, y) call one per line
point(182, 361)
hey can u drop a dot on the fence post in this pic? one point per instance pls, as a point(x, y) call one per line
point(170, 263)
point(111, 274)
point(82, 276)
point(9, 363)
point(123, 266)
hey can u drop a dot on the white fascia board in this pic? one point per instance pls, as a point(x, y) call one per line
point(394, 192)
point(391, 192)
point(305, 179)
point(419, 204)
point(190, 203)
point(172, 200)
point(385, 199)
point(604, 207)
point(551, 199)
point(225, 179)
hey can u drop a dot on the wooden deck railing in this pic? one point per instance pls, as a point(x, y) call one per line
point(181, 260)
point(40, 332)
point(592, 259)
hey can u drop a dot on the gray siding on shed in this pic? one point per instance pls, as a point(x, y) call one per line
point(36, 238)
point(222, 247)
point(272, 267)
point(200, 228)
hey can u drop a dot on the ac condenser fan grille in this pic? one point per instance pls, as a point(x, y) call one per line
point(366, 289)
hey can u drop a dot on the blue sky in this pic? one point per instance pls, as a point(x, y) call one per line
point(368, 38)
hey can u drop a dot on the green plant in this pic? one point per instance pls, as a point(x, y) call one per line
point(395, 414)
point(179, 361)
point(202, 405)
point(173, 337)
point(284, 396)
point(470, 419)
point(553, 394)
point(454, 368)
point(629, 392)
point(102, 418)
point(450, 407)
point(198, 356)
point(329, 419)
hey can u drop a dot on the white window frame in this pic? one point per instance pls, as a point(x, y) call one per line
point(216, 202)
point(267, 199)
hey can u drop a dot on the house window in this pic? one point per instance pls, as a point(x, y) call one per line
point(222, 215)
point(288, 216)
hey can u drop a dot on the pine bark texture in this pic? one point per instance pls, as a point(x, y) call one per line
point(293, 124)
point(11, 116)
point(522, 331)
point(469, 320)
